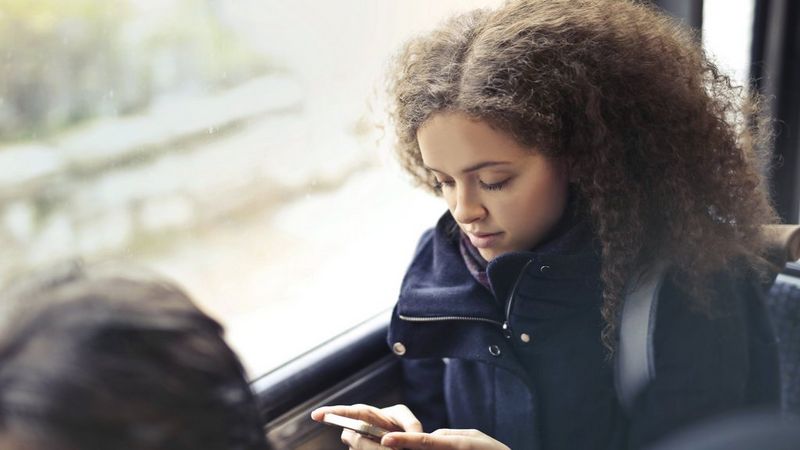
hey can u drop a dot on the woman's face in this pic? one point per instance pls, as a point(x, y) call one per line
point(504, 196)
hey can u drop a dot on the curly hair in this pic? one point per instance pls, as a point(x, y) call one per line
point(666, 153)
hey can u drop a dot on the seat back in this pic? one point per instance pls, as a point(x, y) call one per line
point(783, 303)
point(635, 367)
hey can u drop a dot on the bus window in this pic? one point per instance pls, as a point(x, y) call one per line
point(230, 145)
point(727, 35)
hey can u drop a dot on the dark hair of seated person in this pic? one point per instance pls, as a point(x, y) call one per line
point(101, 358)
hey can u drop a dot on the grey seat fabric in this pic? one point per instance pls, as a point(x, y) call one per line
point(634, 369)
point(750, 431)
point(783, 302)
point(635, 360)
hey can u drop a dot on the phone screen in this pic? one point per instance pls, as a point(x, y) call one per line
point(359, 426)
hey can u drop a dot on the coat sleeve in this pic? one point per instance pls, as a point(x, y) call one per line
point(423, 379)
point(423, 391)
point(706, 365)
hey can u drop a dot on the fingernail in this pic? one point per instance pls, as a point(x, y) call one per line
point(388, 441)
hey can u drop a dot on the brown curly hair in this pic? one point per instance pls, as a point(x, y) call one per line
point(665, 151)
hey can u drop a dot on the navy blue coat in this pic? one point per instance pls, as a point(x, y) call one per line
point(525, 363)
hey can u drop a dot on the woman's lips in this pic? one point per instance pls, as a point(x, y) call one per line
point(484, 240)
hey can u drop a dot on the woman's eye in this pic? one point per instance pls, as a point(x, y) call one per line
point(493, 186)
point(440, 184)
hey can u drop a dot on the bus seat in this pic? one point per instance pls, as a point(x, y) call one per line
point(784, 242)
point(783, 303)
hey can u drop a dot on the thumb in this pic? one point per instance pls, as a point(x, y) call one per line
point(419, 441)
point(457, 432)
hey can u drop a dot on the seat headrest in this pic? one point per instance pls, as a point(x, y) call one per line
point(784, 241)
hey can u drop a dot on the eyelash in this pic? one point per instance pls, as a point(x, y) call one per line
point(487, 187)
point(438, 185)
point(493, 186)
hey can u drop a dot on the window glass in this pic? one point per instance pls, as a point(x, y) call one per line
point(229, 144)
point(727, 35)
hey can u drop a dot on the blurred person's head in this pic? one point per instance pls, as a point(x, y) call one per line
point(106, 358)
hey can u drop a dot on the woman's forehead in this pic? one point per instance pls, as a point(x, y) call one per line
point(454, 141)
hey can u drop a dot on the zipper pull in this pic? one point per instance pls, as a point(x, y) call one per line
point(506, 330)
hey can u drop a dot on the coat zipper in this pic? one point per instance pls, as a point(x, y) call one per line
point(503, 325)
point(506, 328)
point(442, 318)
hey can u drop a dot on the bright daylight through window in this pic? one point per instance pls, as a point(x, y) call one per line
point(228, 144)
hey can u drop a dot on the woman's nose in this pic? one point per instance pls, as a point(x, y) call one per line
point(468, 207)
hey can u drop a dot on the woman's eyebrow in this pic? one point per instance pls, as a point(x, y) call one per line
point(473, 168)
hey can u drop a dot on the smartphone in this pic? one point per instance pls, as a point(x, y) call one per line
point(359, 426)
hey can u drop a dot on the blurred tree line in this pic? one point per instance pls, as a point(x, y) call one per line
point(65, 61)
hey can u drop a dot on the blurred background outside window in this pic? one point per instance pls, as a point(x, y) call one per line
point(229, 144)
point(235, 146)
point(728, 35)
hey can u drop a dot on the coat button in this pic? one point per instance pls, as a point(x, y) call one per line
point(544, 269)
point(494, 350)
point(525, 337)
point(399, 349)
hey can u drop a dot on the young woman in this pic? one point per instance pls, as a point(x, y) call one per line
point(576, 143)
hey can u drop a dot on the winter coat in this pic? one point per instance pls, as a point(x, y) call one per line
point(525, 363)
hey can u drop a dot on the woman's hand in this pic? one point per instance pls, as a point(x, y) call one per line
point(443, 439)
point(393, 418)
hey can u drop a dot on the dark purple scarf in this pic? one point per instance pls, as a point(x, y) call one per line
point(569, 235)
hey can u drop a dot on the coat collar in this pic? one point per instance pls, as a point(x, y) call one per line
point(439, 284)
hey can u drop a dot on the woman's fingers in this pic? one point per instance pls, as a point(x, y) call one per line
point(443, 440)
point(358, 442)
point(459, 432)
point(320, 412)
point(366, 413)
point(419, 441)
point(393, 418)
point(403, 417)
point(400, 418)
point(360, 412)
